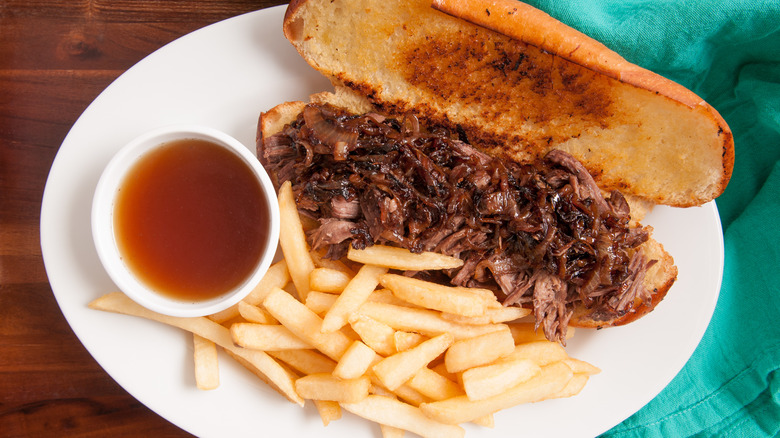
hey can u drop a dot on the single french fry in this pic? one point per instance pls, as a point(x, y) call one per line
point(320, 302)
point(266, 337)
point(423, 321)
point(524, 332)
point(390, 431)
point(389, 411)
point(402, 259)
point(305, 361)
point(377, 335)
point(394, 370)
point(255, 314)
point(479, 350)
point(355, 361)
point(541, 352)
point(433, 385)
point(328, 410)
point(328, 280)
point(354, 294)
point(435, 296)
point(406, 340)
point(575, 385)
point(206, 363)
point(491, 316)
point(269, 369)
point(489, 380)
point(276, 276)
point(460, 409)
point(486, 294)
point(305, 324)
point(329, 387)
point(581, 367)
point(386, 296)
point(485, 421)
point(293, 241)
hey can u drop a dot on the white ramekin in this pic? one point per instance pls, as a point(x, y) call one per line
point(103, 221)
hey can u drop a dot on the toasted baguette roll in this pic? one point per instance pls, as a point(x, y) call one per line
point(519, 83)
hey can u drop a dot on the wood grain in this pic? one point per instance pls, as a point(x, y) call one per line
point(55, 58)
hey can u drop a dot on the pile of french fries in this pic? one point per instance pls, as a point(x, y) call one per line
point(350, 334)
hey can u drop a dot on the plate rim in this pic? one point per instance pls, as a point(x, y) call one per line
point(46, 205)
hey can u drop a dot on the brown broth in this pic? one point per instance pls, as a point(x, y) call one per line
point(191, 220)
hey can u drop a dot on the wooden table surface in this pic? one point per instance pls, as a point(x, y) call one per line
point(56, 56)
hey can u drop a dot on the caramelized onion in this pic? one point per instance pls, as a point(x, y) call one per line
point(338, 138)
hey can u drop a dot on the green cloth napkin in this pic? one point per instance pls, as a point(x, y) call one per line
point(728, 52)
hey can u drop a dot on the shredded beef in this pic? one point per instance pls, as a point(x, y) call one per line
point(541, 234)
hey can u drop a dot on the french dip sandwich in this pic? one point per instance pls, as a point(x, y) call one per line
point(489, 131)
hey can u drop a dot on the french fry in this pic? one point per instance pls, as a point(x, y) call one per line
point(328, 280)
point(389, 411)
point(328, 410)
point(402, 259)
point(433, 385)
point(386, 296)
point(479, 350)
point(490, 316)
point(206, 363)
point(355, 293)
point(581, 367)
point(394, 370)
point(486, 294)
point(377, 335)
point(355, 361)
point(266, 337)
point(305, 361)
point(320, 302)
point(293, 241)
point(541, 352)
point(329, 387)
point(406, 340)
point(276, 276)
point(390, 431)
point(269, 369)
point(575, 385)
point(524, 332)
point(255, 314)
point(485, 421)
point(489, 380)
point(305, 324)
point(456, 410)
point(434, 296)
point(423, 321)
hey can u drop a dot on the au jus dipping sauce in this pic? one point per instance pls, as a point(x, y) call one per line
point(191, 220)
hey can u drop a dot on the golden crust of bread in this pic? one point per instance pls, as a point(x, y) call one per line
point(518, 84)
point(659, 280)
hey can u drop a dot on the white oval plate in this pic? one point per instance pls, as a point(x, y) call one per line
point(223, 76)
